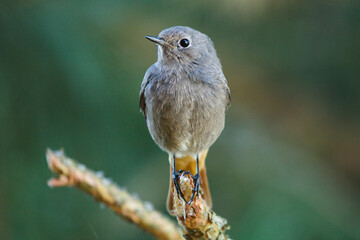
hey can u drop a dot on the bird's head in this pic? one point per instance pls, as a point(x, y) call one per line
point(184, 46)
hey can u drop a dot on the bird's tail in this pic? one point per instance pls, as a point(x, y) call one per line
point(188, 163)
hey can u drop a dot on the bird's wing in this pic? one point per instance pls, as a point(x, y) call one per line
point(227, 90)
point(145, 82)
point(228, 96)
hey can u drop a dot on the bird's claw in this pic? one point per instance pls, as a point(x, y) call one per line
point(175, 177)
point(195, 191)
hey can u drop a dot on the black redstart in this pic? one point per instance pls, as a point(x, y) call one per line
point(184, 97)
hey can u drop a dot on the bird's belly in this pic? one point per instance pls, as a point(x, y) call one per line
point(185, 124)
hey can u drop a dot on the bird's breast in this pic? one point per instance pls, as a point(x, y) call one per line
point(183, 116)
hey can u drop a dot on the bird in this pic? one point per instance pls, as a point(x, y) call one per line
point(184, 96)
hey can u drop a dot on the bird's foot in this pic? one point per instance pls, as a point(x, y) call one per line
point(196, 178)
point(175, 178)
point(195, 191)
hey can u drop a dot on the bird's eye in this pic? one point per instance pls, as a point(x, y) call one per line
point(184, 42)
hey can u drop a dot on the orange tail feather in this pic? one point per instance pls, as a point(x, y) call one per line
point(188, 163)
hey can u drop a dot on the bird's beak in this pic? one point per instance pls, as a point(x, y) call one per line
point(159, 41)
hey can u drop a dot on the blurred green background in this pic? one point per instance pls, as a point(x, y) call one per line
point(287, 165)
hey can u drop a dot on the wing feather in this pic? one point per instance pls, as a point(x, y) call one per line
point(147, 79)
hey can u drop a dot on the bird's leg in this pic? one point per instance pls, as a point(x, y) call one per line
point(196, 179)
point(175, 177)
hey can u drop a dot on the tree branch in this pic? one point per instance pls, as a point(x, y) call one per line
point(198, 220)
point(103, 190)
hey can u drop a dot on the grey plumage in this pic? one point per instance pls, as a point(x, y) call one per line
point(184, 95)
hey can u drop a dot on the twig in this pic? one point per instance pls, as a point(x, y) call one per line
point(197, 220)
point(103, 190)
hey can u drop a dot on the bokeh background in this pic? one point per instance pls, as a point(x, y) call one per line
point(287, 165)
